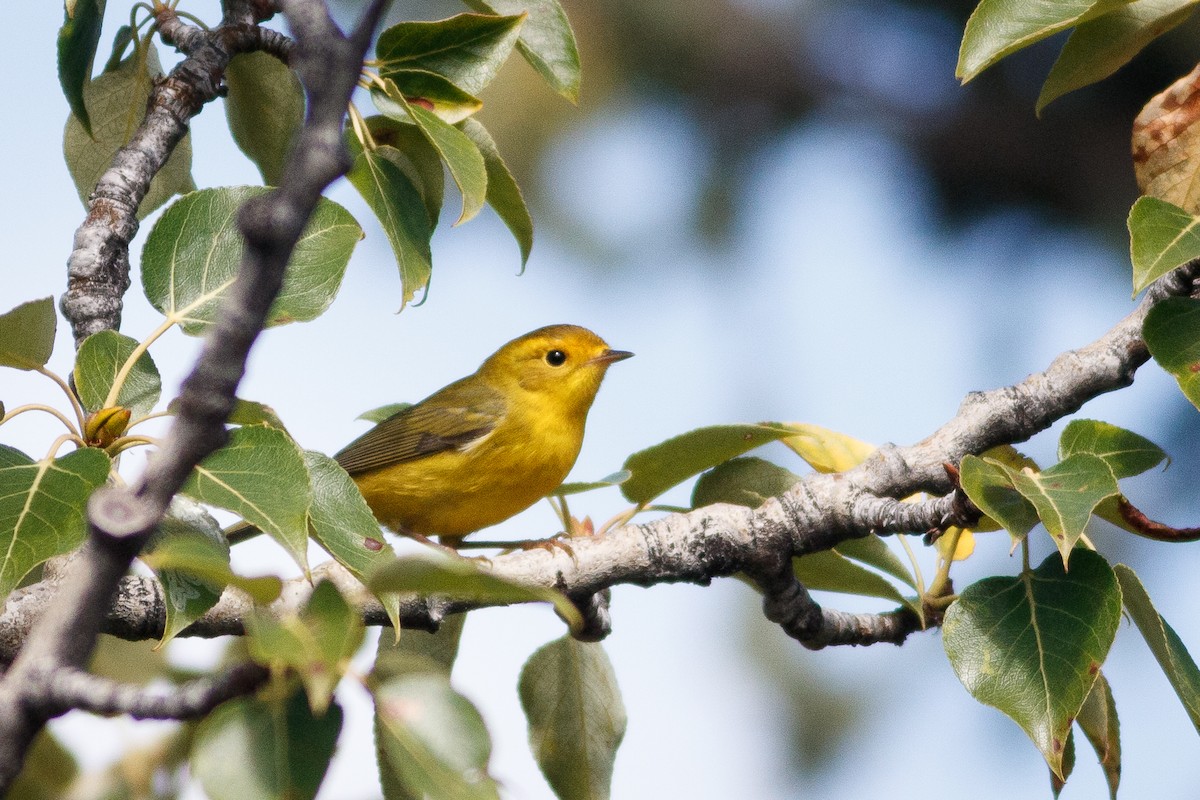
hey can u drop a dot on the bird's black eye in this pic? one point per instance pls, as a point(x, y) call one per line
point(556, 358)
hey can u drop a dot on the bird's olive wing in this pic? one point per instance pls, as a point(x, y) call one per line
point(450, 419)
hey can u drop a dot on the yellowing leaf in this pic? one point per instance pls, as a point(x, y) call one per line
point(1166, 141)
point(826, 450)
point(964, 547)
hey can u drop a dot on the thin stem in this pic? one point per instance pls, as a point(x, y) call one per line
point(79, 412)
point(63, 418)
point(138, 352)
point(360, 128)
point(148, 417)
point(123, 443)
point(916, 566)
point(1025, 554)
point(60, 441)
point(942, 579)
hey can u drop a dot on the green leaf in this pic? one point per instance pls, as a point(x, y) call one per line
point(1125, 452)
point(432, 740)
point(77, 41)
point(409, 653)
point(413, 154)
point(191, 552)
point(990, 487)
point(259, 475)
point(1162, 236)
point(576, 717)
point(1100, 47)
point(192, 255)
point(251, 749)
point(830, 571)
point(383, 412)
point(27, 334)
point(744, 481)
point(1033, 645)
point(656, 469)
point(998, 28)
point(1066, 494)
point(615, 479)
point(97, 364)
point(12, 457)
point(188, 596)
point(872, 551)
point(462, 157)
point(48, 771)
point(250, 412)
point(462, 579)
point(121, 41)
point(116, 104)
point(468, 49)
point(503, 194)
point(1057, 784)
point(1172, 655)
point(390, 193)
point(427, 90)
point(547, 41)
point(265, 109)
point(42, 510)
point(342, 523)
point(1098, 721)
point(317, 644)
point(1172, 334)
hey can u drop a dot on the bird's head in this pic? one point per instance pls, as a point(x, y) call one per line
point(564, 362)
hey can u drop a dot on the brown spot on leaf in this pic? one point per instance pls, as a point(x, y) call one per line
point(374, 545)
point(1058, 745)
point(420, 101)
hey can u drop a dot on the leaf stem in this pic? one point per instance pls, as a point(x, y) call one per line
point(138, 352)
point(123, 443)
point(63, 418)
point(60, 441)
point(942, 579)
point(916, 566)
point(68, 391)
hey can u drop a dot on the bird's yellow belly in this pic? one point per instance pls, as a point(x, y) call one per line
point(459, 492)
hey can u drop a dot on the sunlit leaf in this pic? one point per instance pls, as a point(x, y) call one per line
point(547, 41)
point(317, 644)
point(433, 741)
point(1066, 494)
point(250, 749)
point(467, 49)
point(265, 109)
point(380, 178)
point(662, 466)
point(344, 526)
point(27, 334)
point(259, 475)
point(1172, 655)
point(1172, 334)
point(42, 509)
point(998, 28)
point(99, 361)
point(464, 580)
point(989, 486)
point(826, 450)
point(427, 90)
point(503, 194)
point(1033, 645)
point(1098, 721)
point(1125, 452)
point(569, 692)
point(615, 479)
point(1099, 47)
point(77, 41)
point(116, 103)
point(191, 258)
point(461, 155)
point(1166, 144)
point(1162, 237)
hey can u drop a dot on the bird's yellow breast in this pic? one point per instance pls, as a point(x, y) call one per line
point(457, 492)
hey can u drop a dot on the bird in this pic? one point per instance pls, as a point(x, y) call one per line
point(487, 446)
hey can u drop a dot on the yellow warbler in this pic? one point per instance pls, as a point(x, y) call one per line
point(488, 446)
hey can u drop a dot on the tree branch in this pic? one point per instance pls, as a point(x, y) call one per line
point(121, 520)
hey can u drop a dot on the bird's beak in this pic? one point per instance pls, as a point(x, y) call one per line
point(609, 356)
